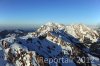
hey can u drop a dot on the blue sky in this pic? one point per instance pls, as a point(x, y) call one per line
point(31, 12)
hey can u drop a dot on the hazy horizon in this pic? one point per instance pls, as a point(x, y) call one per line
point(35, 26)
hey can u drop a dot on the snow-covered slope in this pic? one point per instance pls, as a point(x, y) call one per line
point(82, 32)
point(52, 44)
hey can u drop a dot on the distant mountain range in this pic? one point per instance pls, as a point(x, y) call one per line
point(52, 44)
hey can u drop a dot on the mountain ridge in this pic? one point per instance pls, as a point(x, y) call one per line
point(52, 41)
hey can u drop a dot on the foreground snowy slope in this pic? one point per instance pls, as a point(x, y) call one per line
point(52, 44)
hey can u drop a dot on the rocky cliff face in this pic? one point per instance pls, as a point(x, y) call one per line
point(52, 44)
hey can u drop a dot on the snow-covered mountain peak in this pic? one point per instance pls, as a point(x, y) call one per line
point(50, 23)
point(82, 32)
point(51, 27)
point(79, 31)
